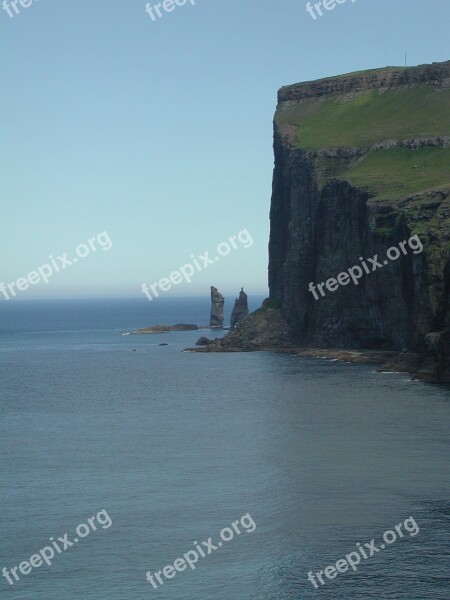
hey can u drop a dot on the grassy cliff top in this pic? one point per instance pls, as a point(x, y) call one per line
point(362, 119)
point(369, 109)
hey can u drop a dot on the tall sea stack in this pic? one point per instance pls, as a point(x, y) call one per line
point(217, 302)
point(240, 310)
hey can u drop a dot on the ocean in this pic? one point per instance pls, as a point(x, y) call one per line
point(165, 449)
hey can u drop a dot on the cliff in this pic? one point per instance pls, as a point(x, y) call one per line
point(362, 164)
point(359, 250)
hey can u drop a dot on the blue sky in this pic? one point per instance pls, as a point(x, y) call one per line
point(160, 132)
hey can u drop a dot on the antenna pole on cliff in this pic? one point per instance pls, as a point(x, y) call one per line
point(405, 59)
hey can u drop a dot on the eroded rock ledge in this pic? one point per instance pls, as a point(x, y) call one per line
point(434, 75)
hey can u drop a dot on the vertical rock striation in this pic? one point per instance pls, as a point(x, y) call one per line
point(217, 302)
point(240, 310)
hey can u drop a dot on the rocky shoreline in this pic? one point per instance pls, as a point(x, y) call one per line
point(419, 366)
point(267, 330)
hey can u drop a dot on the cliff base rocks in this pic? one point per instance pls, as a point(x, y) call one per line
point(267, 330)
point(264, 329)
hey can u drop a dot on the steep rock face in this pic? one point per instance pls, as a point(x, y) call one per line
point(217, 302)
point(240, 309)
point(323, 220)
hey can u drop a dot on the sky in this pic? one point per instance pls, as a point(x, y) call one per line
point(156, 134)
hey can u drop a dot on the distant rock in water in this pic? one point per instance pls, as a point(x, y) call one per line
point(240, 310)
point(217, 302)
point(166, 328)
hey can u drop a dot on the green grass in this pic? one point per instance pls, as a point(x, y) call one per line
point(362, 119)
point(399, 172)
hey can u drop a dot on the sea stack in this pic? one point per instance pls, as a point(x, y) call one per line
point(240, 310)
point(217, 302)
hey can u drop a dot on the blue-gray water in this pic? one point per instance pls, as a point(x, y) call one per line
point(175, 446)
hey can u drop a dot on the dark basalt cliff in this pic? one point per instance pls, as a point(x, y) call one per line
point(334, 204)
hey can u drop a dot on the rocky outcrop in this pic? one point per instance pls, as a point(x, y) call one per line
point(240, 310)
point(264, 329)
point(217, 302)
point(203, 341)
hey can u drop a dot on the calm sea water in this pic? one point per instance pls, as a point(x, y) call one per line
point(175, 446)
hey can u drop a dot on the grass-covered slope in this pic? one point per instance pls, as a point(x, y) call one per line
point(400, 172)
